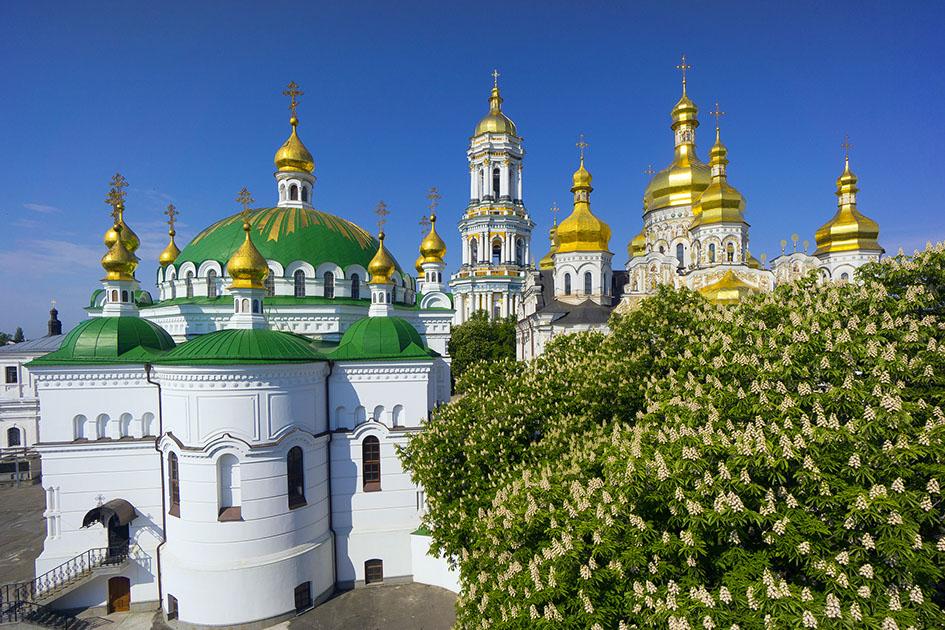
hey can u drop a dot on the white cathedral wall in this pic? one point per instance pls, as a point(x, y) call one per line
point(396, 393)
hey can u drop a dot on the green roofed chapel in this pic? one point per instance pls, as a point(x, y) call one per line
point(229, 450)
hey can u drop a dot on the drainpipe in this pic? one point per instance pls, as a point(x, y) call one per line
point(331, 527)
point(160, 415)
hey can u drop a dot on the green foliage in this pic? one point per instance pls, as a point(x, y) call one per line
point(480, 339)
point(776, 464)
point(18, 335)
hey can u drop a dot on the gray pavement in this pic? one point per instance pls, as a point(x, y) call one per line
point(22, 530)
point(381, 607)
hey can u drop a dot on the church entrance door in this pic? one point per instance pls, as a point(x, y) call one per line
point(118, 537)
point(119, 594)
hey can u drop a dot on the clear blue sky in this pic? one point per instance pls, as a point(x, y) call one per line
point(185, 100)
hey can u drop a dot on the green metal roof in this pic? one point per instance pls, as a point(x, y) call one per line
point(110, 340)
point(285, 235)
point(381, 338)
point(237, 347)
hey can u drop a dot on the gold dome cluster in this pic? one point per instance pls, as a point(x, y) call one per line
point(581, 231)
point(495, 121)
point(849, 229)
point(382, 266)
point(119, 261)
point(246, 266)
point(719, 202)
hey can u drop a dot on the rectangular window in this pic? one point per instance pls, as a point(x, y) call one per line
point(303, 596)
point(11, 373)
point(373, 571)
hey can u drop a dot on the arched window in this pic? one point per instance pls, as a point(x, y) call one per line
point(256, 307)
point(712, 252)
point(662, 249)
point(305, 194)
point(212, 283)
point(587, 283)
point(495, 183)
point(845, 277)
point(329, 278)
point(519, 252)
point(567, 284)
point(282, 192)
point(378, 415)
point(496, 251)
point(293, 192)
point(114, 295)
point(371, 464)
point(355, 286)
point(398, 416)
point(173, 482)
point(295, 477)
point(473, 251)
point(147, 424)
point(730, 252)
point(680, 254)
point(13, 437)
point(189, 284)
point(228, 482)
point(124, 297)
point(101, 426)
point(78, 427)
point(360, 416)
point(270, 284)
point(299, 278)
point(124, 425)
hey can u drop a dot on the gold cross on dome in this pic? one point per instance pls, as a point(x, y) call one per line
point(684, 67)
point(495, 78)
point(649, 170)
point(293, 92)
point(116, 195)
point(434, 196)
point(424, 224)
point(718, 113)
point(581, 145)
point(846, 146)
point(381, 211)
point(244, 199)
point(554, 211)
point(171, 213)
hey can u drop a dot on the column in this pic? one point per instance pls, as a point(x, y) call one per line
point(472, 181)
point(504, 180)
point(519, 181)
point(488, 308)
point(487, 179)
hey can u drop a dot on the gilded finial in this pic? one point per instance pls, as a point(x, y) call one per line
point(171, 252)
point(846, 146)
point(293, 92)
point(424, 224)
point(806, 245)
point(434, 196)
point(649, 170)
point(683, 67)
point(171, 213)
point(116, 194)
point(554, 212)
point(783, 245)
point(794, 238)
point(244, 199)
point(381, 211)
point(581, 145)
point(717, 113)
point(495, 78)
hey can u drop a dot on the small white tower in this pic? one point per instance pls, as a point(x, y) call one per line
point(248, 270)
point(380, 270)
point(295, 165)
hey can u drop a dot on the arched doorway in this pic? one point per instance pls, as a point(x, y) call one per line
point(119, 595)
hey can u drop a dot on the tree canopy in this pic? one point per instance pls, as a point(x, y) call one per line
point(773, 464)
point(480, 339)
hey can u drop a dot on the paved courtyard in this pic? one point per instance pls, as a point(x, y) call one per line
point(22, 529)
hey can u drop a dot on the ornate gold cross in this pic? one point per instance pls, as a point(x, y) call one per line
point(495, 78)
point(424, 224)
point(434, 196)
point(684, 67)
point(649, 170)
point(244, 199)
point(846, 146)
point(717, 113)
point(381, 211)
point(554, 211)
point(116, 195)
point(581, 145)
point(293, 92)
point(171, 213)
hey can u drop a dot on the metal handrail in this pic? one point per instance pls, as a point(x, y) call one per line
point(41, 615)
point(62, 575)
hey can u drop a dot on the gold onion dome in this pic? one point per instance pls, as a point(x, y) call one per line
point(719, 202)
point(495, 121)
point(581, 231)
point(170, 253)
point(118, 262)
point(292, 155)
point(637, 246)
point(680, 183)
point(849, 229)
point(382, 266)
point(247, 267)
point(548, 260)
point(418, 264)
point(128, 237)
point(432, 248)
point(728, 289)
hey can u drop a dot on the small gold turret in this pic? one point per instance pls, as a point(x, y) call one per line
point(382, 266)
point(116, 199)
point(720, 202)
point(432, 247)
point(293, 155)
point(495, 121)
point(171, 252)
point(849, 229)
point(118, 262)
point(581, 231)
point(246, 267)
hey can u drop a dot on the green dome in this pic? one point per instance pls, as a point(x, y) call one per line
point(234, 347)
point(285, 235)
point(110, 340)
point(381, 338)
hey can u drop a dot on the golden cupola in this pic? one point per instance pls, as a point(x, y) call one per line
point(382, 266)
point(127, 235)
point(849, 229)
point(171, 252)
point(418, 264)
point(637, 246)
point(432, 247)
point(548, 260)
point(581, 231)
point(292, 156)
point(118, 262)
point(495, 121)
point(247, 267)
point(719, 202)
point(680, 183)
